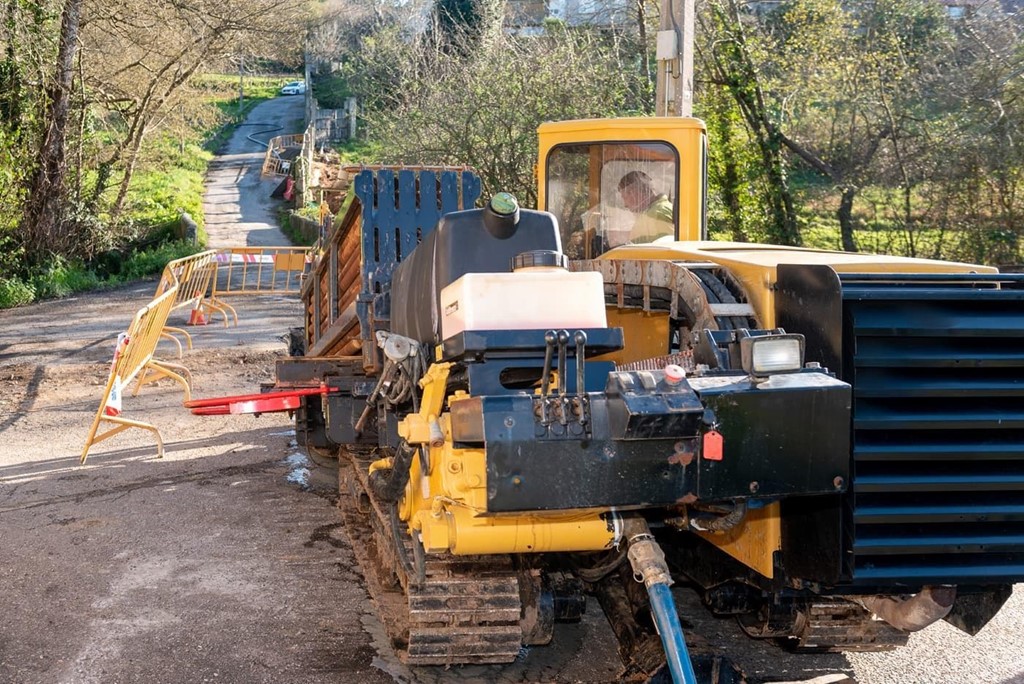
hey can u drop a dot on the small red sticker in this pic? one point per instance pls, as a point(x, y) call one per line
point(713, 446)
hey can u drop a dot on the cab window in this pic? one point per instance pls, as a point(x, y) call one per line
point(610, 194)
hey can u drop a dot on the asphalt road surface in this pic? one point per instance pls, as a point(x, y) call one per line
point(237, 203)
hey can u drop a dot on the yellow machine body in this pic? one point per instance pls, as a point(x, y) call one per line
point(446, 498)
point(753, 266)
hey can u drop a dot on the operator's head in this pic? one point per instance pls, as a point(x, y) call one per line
point(637, 190)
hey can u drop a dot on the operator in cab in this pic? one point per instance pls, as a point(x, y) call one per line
point(653, 210)
point(609, 194)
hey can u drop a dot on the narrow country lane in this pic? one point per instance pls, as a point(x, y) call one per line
point(237, 202)
point(220, 562)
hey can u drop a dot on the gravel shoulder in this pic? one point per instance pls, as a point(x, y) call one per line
point(219, 561)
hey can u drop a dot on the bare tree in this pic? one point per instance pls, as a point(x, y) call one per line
point(142, 56)
point(730, 57)
point(450, 112)
point(42, 223)
point(119, 65)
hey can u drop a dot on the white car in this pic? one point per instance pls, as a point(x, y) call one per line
point(293, 88)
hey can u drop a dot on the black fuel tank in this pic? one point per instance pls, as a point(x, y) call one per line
point(462, 243)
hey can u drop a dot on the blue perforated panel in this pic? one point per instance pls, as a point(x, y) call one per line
point(400, 207)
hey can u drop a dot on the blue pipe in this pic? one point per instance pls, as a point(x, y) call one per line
point(667, 621)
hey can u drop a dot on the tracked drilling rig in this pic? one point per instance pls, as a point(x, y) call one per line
point(533, 407)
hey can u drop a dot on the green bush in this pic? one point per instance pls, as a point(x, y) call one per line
point(358, 151)
point(152, 261)
point(331, 90)
point(61, 279)
point(14, 292)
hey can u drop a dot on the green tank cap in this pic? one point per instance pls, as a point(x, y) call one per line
point(502, 215)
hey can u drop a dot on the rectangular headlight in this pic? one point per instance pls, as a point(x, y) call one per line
point(772, 353)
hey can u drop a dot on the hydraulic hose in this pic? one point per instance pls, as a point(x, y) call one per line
point(722, 523)
point(387, 484)
point(666, 619)
point(649, 566)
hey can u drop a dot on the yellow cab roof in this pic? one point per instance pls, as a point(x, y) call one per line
point(634, 127)
point(845, 262)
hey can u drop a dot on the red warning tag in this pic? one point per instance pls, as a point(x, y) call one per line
point(713, 446)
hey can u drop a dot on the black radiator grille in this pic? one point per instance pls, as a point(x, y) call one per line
point(937, 369)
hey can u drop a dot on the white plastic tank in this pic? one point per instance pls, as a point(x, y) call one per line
point(539, 293)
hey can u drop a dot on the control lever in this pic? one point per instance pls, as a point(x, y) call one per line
point(563, 370)
point(563, 364)
point(581, 342)
point(580, 337)
point(550, 339)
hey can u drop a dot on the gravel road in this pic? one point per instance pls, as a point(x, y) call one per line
point(225, 561)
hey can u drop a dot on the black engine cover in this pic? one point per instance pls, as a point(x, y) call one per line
point(788, 435)
point(643, 442)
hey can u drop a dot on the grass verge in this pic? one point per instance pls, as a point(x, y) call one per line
point(169, 180)
point(61, 279)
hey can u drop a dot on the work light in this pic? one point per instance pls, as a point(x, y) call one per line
point(772, 353)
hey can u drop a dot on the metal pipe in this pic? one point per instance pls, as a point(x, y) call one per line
point(929, 605)
point(347, 287)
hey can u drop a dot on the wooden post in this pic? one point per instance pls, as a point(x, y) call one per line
point(674, 91)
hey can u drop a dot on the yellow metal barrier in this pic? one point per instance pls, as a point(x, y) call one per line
point(197, 281)
point(133, 358)
point(193, 276)
point(257, 271)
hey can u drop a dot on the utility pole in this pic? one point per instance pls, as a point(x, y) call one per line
point(674, 93)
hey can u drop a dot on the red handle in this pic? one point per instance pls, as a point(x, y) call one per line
point(267, 402)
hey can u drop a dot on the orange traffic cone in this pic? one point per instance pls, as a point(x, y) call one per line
point(197, 317)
